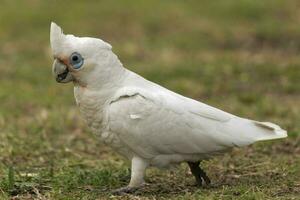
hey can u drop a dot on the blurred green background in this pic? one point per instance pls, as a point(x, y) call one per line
point(240, 56)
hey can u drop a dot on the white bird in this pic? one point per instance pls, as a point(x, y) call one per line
point(147, 123)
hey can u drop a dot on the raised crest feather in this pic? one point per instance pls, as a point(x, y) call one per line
point(59, 40)
point(56, 36)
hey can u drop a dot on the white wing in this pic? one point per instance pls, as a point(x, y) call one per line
point(162, 122)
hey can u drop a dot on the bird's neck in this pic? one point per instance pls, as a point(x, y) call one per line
point(107, 77)
point(103, 81)
point(92, 99)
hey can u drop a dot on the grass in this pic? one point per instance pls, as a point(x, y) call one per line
point(240, 56)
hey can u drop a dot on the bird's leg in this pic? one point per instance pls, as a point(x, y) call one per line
point(199, 174)
point(138, 168)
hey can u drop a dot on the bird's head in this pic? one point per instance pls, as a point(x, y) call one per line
point(83, 60)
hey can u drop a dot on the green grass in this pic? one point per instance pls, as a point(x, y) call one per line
point(240, 56)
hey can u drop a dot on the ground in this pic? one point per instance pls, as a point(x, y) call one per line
point(240, 56)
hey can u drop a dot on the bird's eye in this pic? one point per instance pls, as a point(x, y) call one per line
point(76, 60)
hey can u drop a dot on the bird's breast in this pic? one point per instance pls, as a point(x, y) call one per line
point(92, 108)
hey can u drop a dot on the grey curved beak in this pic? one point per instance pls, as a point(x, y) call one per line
point(61, 72)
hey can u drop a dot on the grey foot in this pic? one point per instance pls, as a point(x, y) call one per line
point(199, 174)
point(125, 190)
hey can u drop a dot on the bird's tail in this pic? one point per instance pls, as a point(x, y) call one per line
point(269, 131)
point(242, 132)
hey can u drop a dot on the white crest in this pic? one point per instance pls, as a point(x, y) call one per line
point(56, 36)
point(59, 41)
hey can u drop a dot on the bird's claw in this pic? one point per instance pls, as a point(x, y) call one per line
point(128, 189)
point(124, 190)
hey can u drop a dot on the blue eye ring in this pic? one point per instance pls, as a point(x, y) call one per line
point(76, 60)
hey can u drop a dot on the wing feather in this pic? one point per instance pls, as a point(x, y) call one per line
point(153, 124)
point(157, 121)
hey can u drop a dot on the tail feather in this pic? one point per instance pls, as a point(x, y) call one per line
point(270, 131)
point(242, 132)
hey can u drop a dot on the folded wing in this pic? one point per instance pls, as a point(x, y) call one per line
point(164, 122)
